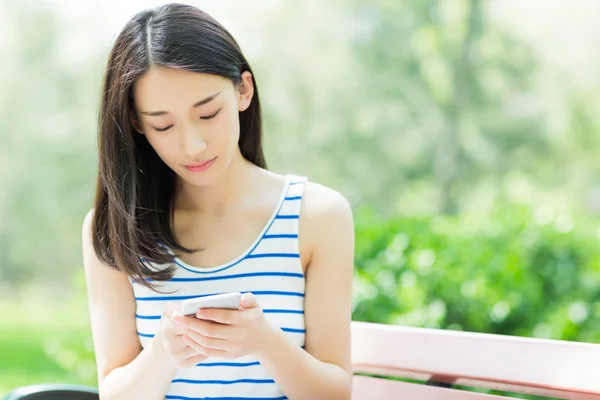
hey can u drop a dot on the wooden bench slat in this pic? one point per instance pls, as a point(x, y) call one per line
point(369, 388)
point(546, 367)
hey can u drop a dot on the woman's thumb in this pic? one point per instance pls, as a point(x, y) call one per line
point(249, 300)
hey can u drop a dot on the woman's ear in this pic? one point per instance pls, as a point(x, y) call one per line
point(245, 91)
point(135, 122)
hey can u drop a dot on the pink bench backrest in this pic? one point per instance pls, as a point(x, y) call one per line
point(553, 368)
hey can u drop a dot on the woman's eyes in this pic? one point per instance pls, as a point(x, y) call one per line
point(212, 115)
point(163, 129)
point(203, 118)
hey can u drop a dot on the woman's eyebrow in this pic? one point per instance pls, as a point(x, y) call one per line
point(197, 104)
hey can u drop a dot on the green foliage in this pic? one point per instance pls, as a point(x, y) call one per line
point(514, 272)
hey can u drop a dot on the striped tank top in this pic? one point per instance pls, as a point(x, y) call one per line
point(271, 269)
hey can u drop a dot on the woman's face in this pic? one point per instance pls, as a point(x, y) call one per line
point(191, 119)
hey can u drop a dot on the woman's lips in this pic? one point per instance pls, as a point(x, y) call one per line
point(200, 166)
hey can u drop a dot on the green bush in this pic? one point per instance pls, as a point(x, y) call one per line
point(514, 272)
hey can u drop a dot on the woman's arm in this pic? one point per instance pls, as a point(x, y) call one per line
point(125, 371)
point(147, 377)
point(324, 370)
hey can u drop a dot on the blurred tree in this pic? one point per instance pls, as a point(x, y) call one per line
point(455, 79)
point(425, 103)
point(47, 139)
point(420, 107)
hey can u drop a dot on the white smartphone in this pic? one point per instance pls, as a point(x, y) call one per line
point(226, 300)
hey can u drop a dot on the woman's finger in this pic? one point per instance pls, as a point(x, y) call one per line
point(220, 315)
point(186, 352)
point(209, 328)
point(195, 360)
point(205, 350)
point(207, 342)
point(170, 308)
point(249, 300)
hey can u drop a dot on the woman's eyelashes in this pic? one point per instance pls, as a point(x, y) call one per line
point(207, 117)
point(212, 115)
point(162, 129)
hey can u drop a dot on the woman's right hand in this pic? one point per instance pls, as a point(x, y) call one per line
point(180, 353)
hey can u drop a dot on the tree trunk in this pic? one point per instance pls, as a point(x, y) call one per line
point(448, 147)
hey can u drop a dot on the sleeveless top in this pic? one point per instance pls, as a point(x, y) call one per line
point(271, 269)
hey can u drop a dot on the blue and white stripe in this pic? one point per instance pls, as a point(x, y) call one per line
point(271, 269)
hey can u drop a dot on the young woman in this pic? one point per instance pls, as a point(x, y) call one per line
point(185, 207)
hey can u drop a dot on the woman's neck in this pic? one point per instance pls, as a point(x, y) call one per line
point(219, 197)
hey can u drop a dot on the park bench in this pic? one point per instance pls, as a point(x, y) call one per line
point(438, 359)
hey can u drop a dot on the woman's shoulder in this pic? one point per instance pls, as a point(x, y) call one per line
point(317, 198)
point(325, 217)
point(321, 201)
point(320, 204)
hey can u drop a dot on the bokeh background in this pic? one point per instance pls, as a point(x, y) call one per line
point(465, 134)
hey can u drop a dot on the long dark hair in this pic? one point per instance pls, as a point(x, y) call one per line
point(133, 208)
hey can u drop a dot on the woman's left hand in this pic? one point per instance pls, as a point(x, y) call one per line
point(226, 333)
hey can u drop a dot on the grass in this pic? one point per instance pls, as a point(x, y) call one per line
point(45, 342)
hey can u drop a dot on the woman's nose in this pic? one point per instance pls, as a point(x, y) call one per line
point(193, 142)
